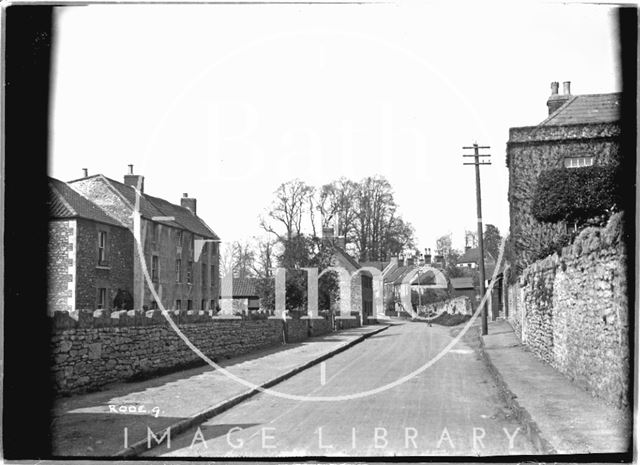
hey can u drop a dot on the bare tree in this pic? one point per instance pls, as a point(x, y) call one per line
point(287, 210)
point(265, 254)
point(337, 206)
point(243, 258)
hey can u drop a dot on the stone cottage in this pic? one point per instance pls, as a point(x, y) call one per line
point(580, 130)
point(180, 252)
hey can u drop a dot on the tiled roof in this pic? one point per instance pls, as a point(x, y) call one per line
point(244, 287)
point(582, 109)
point(380, 265)
point(151, 207)
point(425, 278)
point(462, 283)
point(349, 258)
point(473, 256)
point(64, 202)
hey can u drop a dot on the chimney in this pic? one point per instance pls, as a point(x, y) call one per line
point(85, 171)
point(134, 180)
point(394, 260)
point(188, 202)
point(467, 248)
point(556, 100)
point(410, 261)
point(427, 256)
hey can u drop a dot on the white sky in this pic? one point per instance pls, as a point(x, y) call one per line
point(226, 102)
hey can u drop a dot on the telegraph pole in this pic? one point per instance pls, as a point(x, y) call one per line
point(476, 156)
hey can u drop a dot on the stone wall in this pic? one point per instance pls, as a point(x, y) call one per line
point(91, 349)
point(573, 312)
point(301, 329)
point(460, 305)
point(347, 323)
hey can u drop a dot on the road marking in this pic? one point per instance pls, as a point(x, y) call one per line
point(323, 373)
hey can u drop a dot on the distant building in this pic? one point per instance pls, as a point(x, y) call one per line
point(471, 259)
point(361, 281)
point(580, 130)
point(464, 287)
point(180, 251)
point(244, 295)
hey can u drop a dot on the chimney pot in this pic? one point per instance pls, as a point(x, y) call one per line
point(554, 88)
point(130, 169)
point(185, 195)
point(85, 171)
point(566, 87)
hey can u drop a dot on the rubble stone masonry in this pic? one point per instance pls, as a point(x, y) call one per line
point(572, 311)
point(61, 266)
point(91, 349)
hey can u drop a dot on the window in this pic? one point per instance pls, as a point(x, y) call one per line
point(203, 305)
point(193, 245)
point(179, 238)
point(102, 248)
point(155, 232)
point(154, 268)
point(204, 275)
point(578, 162)
point(212, 305)
point(189, 305)
point(189, 272)
point(178, 270)
point(102, 298)
point(178, 304)
point(212, 274)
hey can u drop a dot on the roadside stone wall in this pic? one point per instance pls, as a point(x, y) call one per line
point(92, 348)
point(460, 305)
point(575, 313)
point(301, 329)
point(348, 323)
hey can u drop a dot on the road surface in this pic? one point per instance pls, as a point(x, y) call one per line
point(451, 408)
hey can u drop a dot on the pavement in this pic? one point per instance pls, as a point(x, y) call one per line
point(116, 419)
point(559, 416)
point(412, 390)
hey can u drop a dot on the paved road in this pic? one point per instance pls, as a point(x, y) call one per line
point(451, 408)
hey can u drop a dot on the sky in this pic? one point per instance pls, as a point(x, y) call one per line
point(227, 101)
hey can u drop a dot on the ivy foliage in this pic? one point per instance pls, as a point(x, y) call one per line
point(576, 194)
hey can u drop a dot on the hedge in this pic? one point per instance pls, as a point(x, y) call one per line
point(576, 194)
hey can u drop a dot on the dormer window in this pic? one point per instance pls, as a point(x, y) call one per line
point(577, 162)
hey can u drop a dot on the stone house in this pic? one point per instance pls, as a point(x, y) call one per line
point(90, 257)
point(410, 274)
point(180, 253)
point(471, 258)
point(580, 130)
